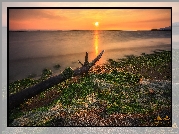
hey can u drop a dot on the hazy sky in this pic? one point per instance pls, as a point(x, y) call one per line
point(84, 19)
point(66, 19)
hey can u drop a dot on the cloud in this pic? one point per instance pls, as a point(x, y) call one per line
point(154, 20)
point(174, 5)
point(24, 14)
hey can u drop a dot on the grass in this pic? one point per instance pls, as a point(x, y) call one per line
point(131, 91)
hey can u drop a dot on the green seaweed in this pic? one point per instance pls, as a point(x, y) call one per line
point(118, 87)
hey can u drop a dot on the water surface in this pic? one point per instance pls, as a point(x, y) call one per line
point(31, 52)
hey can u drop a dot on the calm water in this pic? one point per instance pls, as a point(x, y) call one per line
point(31, 52)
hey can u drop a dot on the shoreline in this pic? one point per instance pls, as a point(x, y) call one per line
point(121, 78)
point(46, 62)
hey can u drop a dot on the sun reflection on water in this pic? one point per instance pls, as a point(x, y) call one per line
point(96, 40)
point(96, 46)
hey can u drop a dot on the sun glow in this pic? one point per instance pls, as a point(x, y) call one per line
point(96, 24)
point(96, 38)
point(83, 19)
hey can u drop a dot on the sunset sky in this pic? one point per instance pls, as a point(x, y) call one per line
point(85, 19)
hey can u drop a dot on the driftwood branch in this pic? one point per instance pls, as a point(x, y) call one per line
point(80, 63)
point(16, 99)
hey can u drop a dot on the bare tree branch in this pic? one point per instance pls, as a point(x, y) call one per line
point(16, 99)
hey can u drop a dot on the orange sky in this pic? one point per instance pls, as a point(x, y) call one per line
point(84, 19)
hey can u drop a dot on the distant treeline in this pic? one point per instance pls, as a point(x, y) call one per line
point(160, 30)
point(18, 31)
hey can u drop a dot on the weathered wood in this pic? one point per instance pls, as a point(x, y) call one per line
point(80, 63)
point(86, 59)
point(16, 99)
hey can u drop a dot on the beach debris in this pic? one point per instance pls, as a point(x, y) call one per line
point(18, 98)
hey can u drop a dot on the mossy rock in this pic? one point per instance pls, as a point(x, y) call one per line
point(57, 66)
point(68, 72)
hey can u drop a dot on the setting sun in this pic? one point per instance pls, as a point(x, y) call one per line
point(96, 24)
point(63, 19)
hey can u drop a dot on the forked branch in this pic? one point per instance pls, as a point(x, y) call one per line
point(16, 99)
